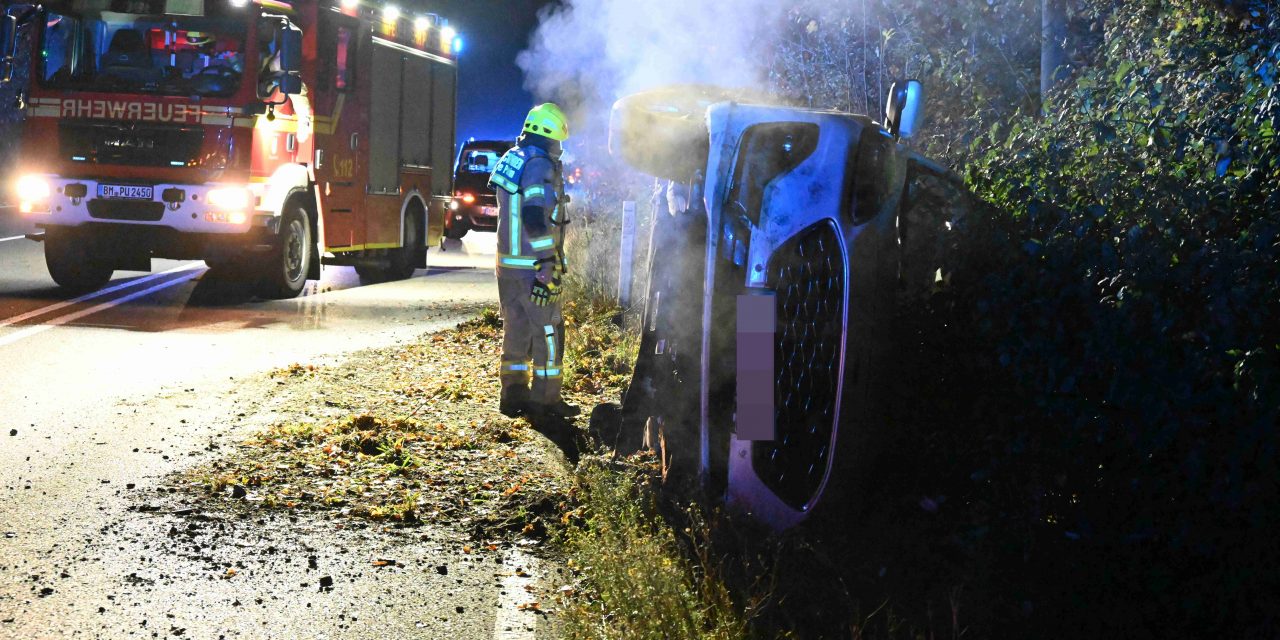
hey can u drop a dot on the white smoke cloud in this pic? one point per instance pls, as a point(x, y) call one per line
point(586, 54)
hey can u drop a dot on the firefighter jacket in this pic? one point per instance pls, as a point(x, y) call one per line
point(531, 219)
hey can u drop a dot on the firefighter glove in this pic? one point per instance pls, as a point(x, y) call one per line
point(545, 294)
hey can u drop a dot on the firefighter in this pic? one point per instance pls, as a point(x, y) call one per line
point(530, 266)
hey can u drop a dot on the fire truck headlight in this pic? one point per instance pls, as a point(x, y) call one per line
point(32, 190)
point(468, 198)
point(454, 205)
point(230, 198)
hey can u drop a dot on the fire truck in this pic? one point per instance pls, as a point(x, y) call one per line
point(787, 239)
point(265, 137)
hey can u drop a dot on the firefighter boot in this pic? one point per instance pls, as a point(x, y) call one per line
point(515, 401)
point(557, 409)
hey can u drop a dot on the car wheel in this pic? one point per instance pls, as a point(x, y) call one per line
point(456, 225)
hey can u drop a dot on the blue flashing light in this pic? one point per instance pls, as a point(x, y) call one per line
point(177, 163)
point(79, 158)
point(457, 44)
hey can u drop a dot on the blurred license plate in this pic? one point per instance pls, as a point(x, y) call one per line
point(488, 211)
point(124, 192)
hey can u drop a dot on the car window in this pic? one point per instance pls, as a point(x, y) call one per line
point(479, 161)
point(768, 151)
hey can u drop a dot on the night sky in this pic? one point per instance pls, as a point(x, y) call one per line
point(492, 101)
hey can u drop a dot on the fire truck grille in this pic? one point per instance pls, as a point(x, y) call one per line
point(126, 210)
point(808, 275)
point(130, 144)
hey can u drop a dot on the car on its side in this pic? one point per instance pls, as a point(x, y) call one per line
point(474, 205)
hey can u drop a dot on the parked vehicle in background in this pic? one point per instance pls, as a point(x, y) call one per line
point(252, 134)
point(474, 204)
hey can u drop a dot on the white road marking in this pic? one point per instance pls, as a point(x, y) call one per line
point(72, 317)
point(12, 238)
point(512, 623)
point(95, 294)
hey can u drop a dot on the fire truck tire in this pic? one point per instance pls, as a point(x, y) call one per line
point(74, 261)
point(405, 260)
point(286, 266)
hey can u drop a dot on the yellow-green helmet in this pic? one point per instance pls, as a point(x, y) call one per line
point(547, 120)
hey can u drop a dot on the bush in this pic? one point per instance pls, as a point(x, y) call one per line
point(1113, 337)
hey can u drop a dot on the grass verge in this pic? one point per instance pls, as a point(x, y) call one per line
point(642, 579)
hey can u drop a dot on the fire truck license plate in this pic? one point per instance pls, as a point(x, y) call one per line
point(124, 192)
point(488, 211)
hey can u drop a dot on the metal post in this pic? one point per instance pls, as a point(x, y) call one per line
point(627, 253)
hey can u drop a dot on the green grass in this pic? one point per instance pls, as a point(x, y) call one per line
point(640, 581)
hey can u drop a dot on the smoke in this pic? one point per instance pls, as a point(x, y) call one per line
point(585, 54)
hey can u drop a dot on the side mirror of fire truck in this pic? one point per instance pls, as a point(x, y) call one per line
point(290, 59)
point(8, 46)
point(290, 43)
point(287, 78)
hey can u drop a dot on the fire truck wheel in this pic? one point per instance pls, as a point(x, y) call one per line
point(287, 265)
point(74, 263)
point(405, 260)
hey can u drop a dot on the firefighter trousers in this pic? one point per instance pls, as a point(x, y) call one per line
point(532, 341)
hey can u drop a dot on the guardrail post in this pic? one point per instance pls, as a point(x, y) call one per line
point(626, 255)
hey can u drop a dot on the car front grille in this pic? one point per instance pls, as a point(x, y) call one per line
point(808, 275)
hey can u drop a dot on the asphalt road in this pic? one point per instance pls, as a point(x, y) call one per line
point(103, 395)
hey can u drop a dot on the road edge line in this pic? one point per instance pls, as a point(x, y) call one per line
point(510, 621)
point(72, 317)
point(94, 294)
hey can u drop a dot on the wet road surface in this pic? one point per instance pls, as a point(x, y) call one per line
point(103, 395)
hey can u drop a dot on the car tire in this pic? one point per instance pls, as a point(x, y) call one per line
point(455, 229)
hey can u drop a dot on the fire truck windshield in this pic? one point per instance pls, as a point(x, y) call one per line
point(121, 52)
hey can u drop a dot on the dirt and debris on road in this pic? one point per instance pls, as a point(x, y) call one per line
point(400, 436)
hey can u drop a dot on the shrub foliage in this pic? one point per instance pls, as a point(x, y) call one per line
point(1128, 293)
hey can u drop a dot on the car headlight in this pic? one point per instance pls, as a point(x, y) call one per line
point(230, 198)
point(32, 189)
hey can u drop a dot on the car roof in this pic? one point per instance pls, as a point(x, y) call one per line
point(489, 144)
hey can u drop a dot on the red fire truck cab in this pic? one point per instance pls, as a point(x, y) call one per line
point(264, 137)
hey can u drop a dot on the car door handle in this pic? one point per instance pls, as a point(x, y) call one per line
point(355, 141)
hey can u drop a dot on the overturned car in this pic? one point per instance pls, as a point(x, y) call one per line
point(790, 236)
